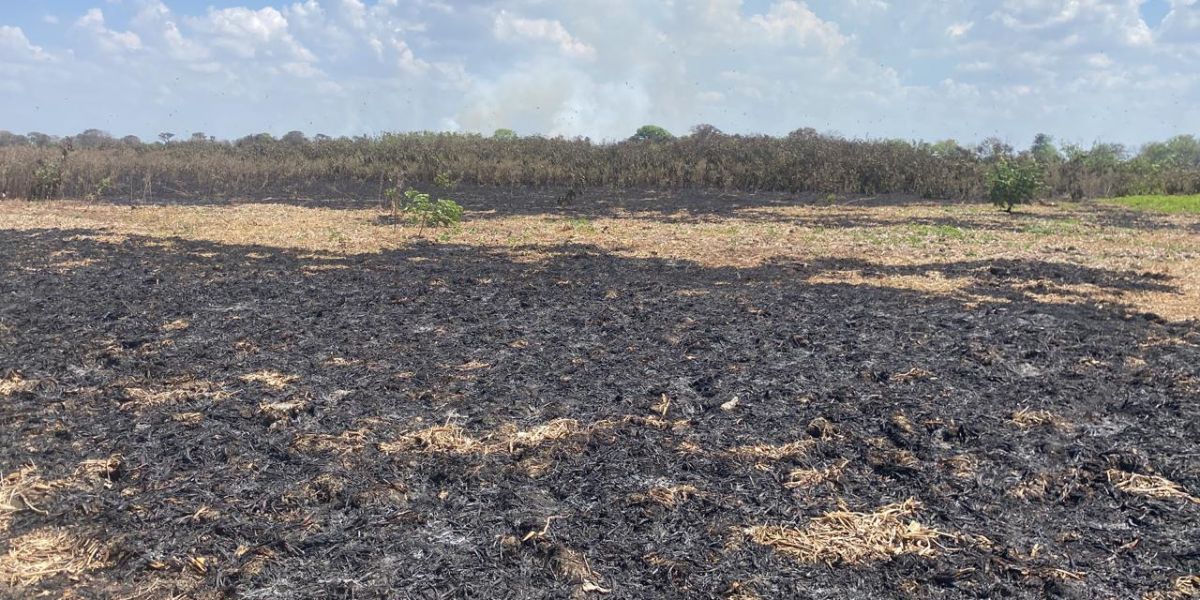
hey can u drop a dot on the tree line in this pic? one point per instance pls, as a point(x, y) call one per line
point(95, 163)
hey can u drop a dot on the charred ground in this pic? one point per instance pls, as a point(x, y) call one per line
point(555, 419)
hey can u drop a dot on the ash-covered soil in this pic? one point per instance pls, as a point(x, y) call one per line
point(186, 418)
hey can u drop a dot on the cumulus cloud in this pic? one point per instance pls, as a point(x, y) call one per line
point(92, 22)
point(791, 21)
point(16, 47)
point(1080, 69)
point(249, 33)
point(511, 27)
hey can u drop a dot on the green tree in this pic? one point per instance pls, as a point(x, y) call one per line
point(1179, 151)
point(504, 133)
point(651, 133)
point(1012, 182)
point(1043, 150)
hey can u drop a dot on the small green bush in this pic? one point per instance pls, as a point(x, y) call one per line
point(47, 180)
point(1012, 182)
point(420, 208)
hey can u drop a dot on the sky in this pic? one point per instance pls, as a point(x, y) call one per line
point(1124, 71)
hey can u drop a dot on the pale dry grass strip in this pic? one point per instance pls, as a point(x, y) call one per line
point(26, 489)
point(669, 496)
point(806, 478)
point(764, 452)
point(453, 439)
point(850, 538)
point(1148, 485)
point(272, 379)
point(1027, 418)
point(450, 439)
point(20, 490)
point(14, 383)
point(1183, 588)
point(47, 552)
point(512, 438)
point(344, 443)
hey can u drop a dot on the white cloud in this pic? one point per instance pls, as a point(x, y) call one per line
point(1103, 17)
point(15, 46)
point(108, 39)
point(508, 26)
point(1080, 69)
point(791, 21)
point(249, 33)
point(957, 30)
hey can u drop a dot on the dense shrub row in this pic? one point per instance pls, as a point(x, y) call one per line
point(94, 163)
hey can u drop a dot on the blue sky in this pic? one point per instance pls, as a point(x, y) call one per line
point(1082, 70)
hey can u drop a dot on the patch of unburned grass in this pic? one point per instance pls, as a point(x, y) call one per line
point(1149, 485)
point(669, 496)
point(850, 538)
point(1027, 418)
point(453, 439)
point(807, 478)
point(772, 452)
point(13, 383)
point(272, 379)
point(1182, 588)
point(1162, 203)
point(45, 553)
point(896, 236)
point(582, 225)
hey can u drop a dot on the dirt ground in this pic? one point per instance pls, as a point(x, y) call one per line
point(691, 395)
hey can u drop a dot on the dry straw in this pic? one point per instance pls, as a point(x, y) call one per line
point(849, 538)
point(1148, 485)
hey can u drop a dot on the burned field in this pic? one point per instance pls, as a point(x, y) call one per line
point(765, 401)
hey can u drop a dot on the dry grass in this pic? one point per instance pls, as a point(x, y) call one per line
point(282, 410)
point(320, 443)
point(1183, 588)
point(807, 478)
point(508, 438)
point(572, 566)
point(101, 470)
point(272, 379)
point(13, 383)
point(1148, 485)
point(746, 238)
point(20, 491)
point(772, 452)
point(851, 538)
point(911, 375)
point(1027, 418)
point(669, 496)
point(962, 466)
point(45, 553)
point(555, 430)
point(450, 439)
point(177, 392)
